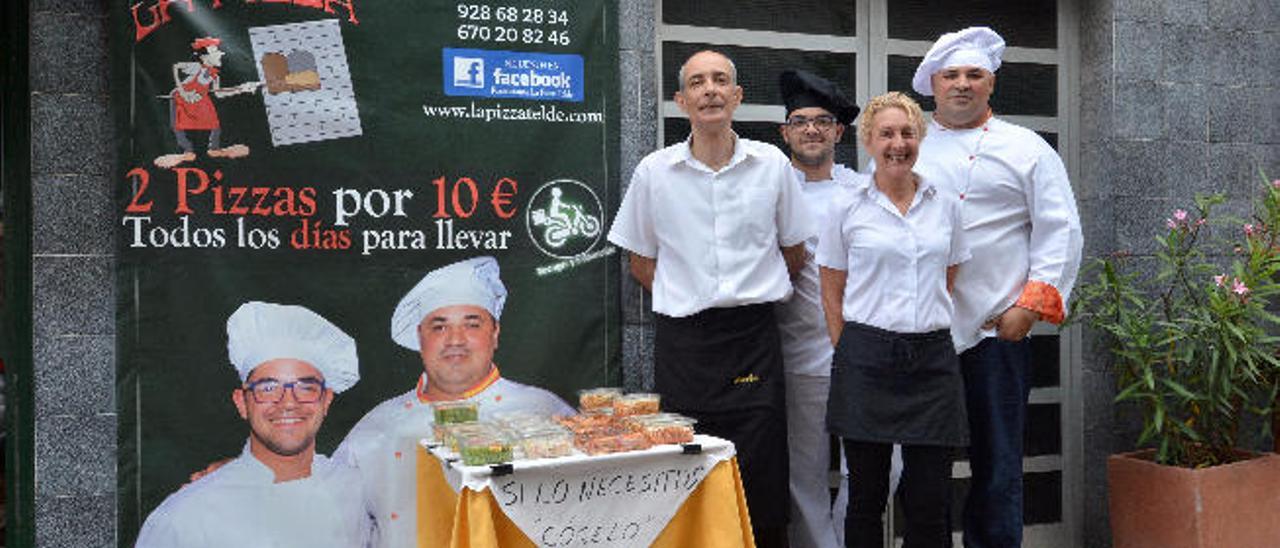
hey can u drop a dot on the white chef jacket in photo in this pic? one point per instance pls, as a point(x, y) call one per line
point(383, 445)
point(806, 347)
point(1019, 216)
point(715, 234)
point(240, 504)
point(896, 264)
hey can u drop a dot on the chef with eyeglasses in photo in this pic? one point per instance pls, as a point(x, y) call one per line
point(279, 491)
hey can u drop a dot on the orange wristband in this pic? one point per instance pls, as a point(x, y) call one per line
point(1043, 298)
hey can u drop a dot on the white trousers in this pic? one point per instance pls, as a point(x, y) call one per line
point(809, 447)
point(815, 521)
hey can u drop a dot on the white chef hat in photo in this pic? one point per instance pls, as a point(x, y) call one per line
point(259, 332)
point(974, 46)
point(473, 282)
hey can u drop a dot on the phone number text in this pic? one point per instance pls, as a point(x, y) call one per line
point(511, 14)
point(496, 33)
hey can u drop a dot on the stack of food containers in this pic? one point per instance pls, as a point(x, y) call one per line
point(537, 436)
point(611, 421)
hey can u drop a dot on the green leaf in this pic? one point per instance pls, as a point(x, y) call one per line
point(1178, 389)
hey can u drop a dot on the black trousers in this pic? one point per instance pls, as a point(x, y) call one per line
point(723, 366)
point(925, 494)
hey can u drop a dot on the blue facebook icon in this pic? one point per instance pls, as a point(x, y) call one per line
point(468, 72)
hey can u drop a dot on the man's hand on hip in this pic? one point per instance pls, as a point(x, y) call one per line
point(1014, 323)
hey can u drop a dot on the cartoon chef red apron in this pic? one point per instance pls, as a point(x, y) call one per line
point(199, 115)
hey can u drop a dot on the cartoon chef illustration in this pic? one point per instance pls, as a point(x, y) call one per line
point(191, 103)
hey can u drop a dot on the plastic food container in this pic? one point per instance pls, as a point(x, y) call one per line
point(583, 436)
point(453, 412)
point(547, 443)
point(637, 419)
point(484, 448)
point(630, 441)
point(451, 435)
point(578, 423)
point(592, 399)
point(635, 404)
point(523, 421)
point(668, 430)
point(599, 411)
point(638, 422)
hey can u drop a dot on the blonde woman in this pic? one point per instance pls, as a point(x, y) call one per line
point(887, 257)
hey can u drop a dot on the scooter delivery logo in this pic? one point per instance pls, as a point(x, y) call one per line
point(564, 218)
point(512, 75)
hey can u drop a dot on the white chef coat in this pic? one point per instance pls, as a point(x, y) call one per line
point(383, 445)
point(896, 264)
point(240, 504)
point(806, 347)
point(1019, 216)
point(715, 234)
point(806, 358)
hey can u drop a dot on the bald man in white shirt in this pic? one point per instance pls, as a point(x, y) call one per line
point(1020, 217)
point(715, 227)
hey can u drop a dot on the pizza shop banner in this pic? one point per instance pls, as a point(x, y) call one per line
point(329, 153)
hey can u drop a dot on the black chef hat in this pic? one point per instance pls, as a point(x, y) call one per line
point(802, 89)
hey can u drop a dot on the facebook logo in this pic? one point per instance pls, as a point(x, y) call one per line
point(468, 72)
point(497, 74)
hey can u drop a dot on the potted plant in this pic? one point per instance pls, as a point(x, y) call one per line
point(1194, 345)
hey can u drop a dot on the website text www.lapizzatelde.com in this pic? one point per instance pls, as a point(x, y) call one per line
point(497, 112)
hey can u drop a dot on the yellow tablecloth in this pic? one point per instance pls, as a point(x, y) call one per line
point(714, 515)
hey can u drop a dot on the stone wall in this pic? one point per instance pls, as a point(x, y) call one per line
point(639, 137)
point(73, 275)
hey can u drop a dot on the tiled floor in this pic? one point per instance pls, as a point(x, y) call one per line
point(1034, 536)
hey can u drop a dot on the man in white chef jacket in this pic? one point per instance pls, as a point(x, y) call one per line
point(451, 319)
point(279, 492)
point(817, 115)
point(1020, 218)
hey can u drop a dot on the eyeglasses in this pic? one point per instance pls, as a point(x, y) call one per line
point(821, 123)
point(269, 390)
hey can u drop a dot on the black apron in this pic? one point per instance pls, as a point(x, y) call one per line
point(723, 366)
point(889, 387)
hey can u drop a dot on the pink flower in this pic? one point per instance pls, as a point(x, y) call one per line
point(1249, 229)
point(1200, 222)
point(1275, 183)
point(1239, 288)
point(1219, 279)
point(1169, 223)
point(1180, 215)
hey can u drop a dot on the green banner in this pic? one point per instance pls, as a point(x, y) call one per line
point(329, 154)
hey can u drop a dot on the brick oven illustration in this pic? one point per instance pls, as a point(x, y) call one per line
point(293, 72)
point(306, 81)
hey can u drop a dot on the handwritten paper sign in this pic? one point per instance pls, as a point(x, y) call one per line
point(619, 500)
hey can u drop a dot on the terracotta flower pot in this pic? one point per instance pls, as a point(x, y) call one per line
point(1230, 506)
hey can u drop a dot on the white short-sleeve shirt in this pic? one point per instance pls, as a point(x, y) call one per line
point(715, 234)
point(896, 264)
